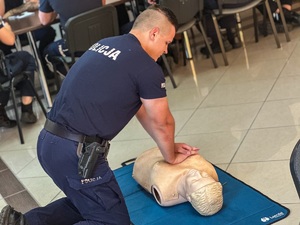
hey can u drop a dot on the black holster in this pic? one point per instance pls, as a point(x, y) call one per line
point(89, 156)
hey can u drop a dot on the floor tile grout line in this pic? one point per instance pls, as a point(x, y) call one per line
point(24, 190)
point(18, 192)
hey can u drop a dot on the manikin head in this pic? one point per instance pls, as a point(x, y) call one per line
point(203, 192)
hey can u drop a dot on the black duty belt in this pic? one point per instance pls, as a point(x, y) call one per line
point(63, 132)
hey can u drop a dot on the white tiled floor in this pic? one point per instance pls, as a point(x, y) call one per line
point(245, 121)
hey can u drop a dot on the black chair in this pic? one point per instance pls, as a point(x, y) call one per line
point(229, 7)
point(85, 29)
point(295, 166)
point(8, 83)
point(189, 14)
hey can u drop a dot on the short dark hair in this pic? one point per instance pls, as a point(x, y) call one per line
point(167, 12)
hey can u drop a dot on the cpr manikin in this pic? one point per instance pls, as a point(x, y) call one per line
point(194, 180)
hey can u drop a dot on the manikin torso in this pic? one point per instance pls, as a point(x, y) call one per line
point(167, 182)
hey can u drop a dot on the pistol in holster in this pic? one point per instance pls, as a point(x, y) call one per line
point(89, 156)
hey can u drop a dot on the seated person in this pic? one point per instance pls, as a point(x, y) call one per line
point(124, 22)
point(45, 35)
point(48, 11)
point(28, 64)
point(291, 16)
point(227, 22)
point(194, 180)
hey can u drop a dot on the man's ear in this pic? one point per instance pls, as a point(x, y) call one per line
point(154, 33)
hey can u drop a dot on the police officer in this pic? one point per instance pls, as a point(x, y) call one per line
point(114, 80)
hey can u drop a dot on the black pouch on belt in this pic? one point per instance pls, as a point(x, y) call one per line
point(89, 157)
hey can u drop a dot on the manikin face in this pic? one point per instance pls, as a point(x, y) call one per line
point(196, 180)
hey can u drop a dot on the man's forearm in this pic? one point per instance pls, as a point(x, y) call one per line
point(161, 132)
point(164, 137)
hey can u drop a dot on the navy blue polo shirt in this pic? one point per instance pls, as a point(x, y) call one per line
point(68, 8)
point(102, 91)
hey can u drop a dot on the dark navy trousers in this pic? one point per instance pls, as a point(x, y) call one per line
point(93, 201)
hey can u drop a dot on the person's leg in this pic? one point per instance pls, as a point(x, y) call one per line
point(211, 33)
point(6, 49)
point(94, 201)
point(60, 212)
point(290, 15)
point(54, 50)
point(210, 29)
point(124, 23)
point(45, 36)
point(25, 88)
point(98, 200)
point(230, 24)
point(287, 4)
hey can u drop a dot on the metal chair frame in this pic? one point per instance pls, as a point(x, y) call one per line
point(9, 85)
point(189, 14)
point(237, 10)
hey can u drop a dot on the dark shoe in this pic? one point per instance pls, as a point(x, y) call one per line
point(9, 216)
point(227, 45)
point(6, 122)
point(235, 43)
point(28, 117)
point(291, 17)
point(295, 18)
point(233, 38)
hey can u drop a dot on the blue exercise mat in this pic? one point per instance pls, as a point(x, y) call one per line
point(243, 205)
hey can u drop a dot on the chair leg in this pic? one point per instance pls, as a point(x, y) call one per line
point(286, 31)
point(220, 39)
point(241, 34)
point(16, 111)
point(56, 77)
point(182, 47)
point(265, 29)
point(37, 97)
point(272, 23)
point(194, 40)
point(164, 58)
point(212, 56)
point(187, 46)
point(255, 24)
point(178, 37)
